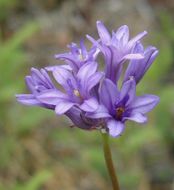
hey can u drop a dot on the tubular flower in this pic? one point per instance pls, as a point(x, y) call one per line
point(39, 82)
point(116, 48)
point(137, 68)
point(91, 98)
point(122, 105)
point(78, 89)
point(77, 57)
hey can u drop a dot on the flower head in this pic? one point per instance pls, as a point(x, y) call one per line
point(89, 97)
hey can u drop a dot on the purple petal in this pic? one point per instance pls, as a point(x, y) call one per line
point(52, 97)
point(92, 40)
point(93, 53)
point(67, 57)
point(83, 49)
point(128, 91)
point(95, 43)
point(89, 105)
point(133, 56)
point(71, 60)
point(146, 63)
point(41, 78)
point(36, 75)
point(103, 33)
point(138, 48)
point(123, 34)
point(30, 84)
point(137, 68)
point(87, 70)
point(52, 68)
point(28, 99)
point(47, 78)
point(108, 94)
point(73, 47)
point(101, 112)
point(136, 39)
point(39, 81)
point(115, 127)
point(75, 115)
point(137, 117)
point(113, 63)
point(62, 75)
point(144, 104)
point(94, 80)
point(63, 106)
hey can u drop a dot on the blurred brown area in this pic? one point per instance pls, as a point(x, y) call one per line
point(64, 152)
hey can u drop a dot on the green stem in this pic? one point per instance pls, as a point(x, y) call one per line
point(109, 162)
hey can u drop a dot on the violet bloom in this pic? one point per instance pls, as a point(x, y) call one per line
point(120, 106)
point(137, 68)
point(77, 57)
point(38, 83)
point(116, 48)
point(91, 99)
point(78, 89)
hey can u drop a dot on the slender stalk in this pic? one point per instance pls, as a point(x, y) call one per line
point(109, 162)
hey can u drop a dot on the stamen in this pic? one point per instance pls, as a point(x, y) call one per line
point(119, 113)
point(81, 57)
point(131, 77)
point(76, 93)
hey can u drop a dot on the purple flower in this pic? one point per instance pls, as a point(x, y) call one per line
point(77, 57)
point(91, 98)
point(119, 106)
point(116, 48)
point(78, 89)
point(137, 68)
point(39, 82)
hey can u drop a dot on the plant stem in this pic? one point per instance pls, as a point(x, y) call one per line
point(109, 162)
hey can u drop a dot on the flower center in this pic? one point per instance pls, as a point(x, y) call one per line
point(119, 113)
point(81, 57)
point(77, 93)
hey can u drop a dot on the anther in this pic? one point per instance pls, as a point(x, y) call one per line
point(76, 93)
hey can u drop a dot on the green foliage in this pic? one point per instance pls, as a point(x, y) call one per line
point(165, 114)
point(12, 57)
point(162, 64)
point(35, 182)
point(136, 138)
point(5, 7)
point(167, 25)
point(130, 179)
point(7, 147)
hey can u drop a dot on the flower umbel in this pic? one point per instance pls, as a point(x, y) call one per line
point(89, 97)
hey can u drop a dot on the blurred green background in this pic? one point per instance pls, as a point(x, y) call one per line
point(38, 150)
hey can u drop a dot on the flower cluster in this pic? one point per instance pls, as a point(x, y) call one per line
point(91, 98)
